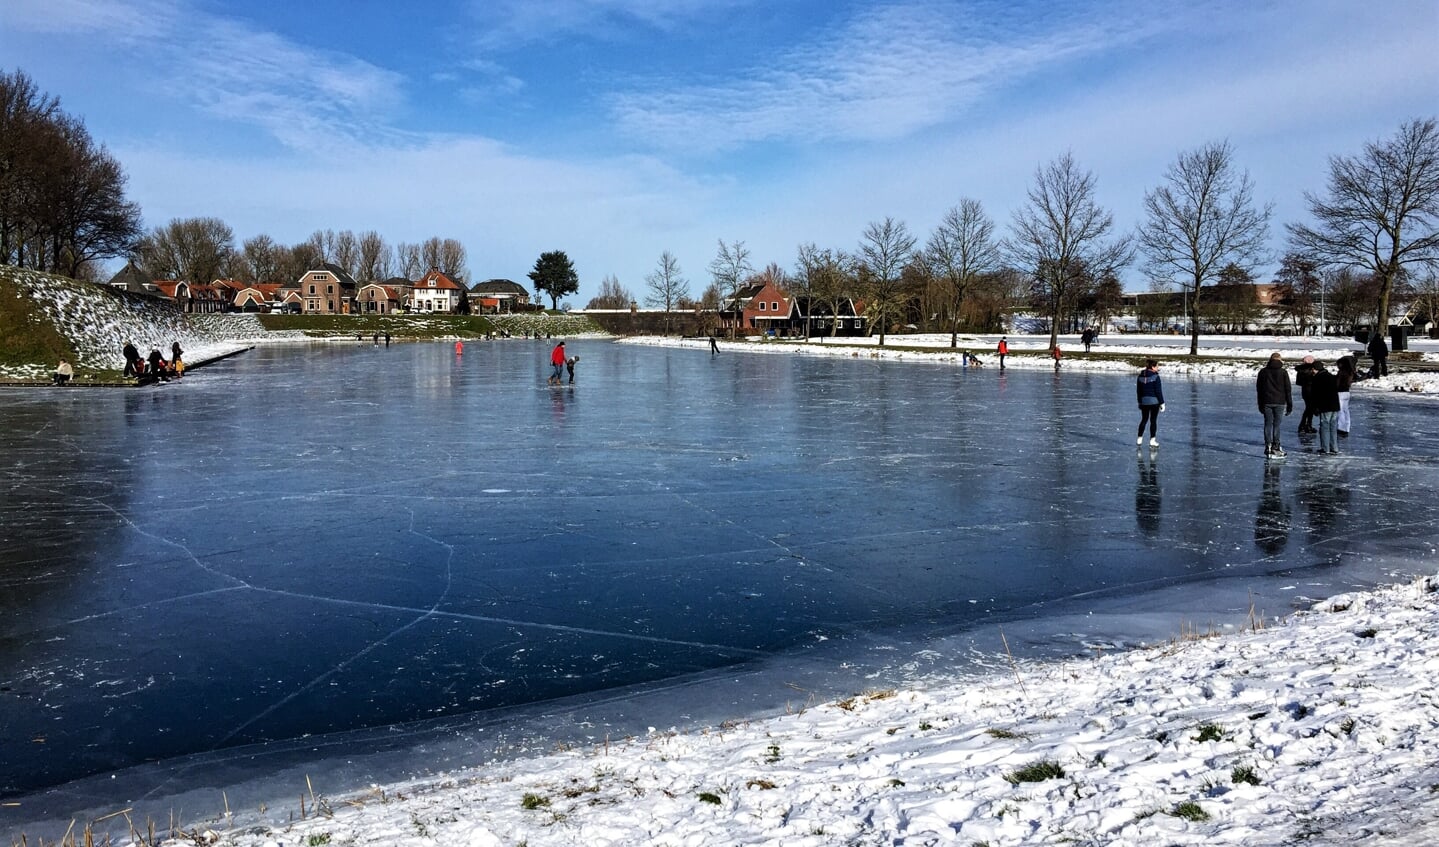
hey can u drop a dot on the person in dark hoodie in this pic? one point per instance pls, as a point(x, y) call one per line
point(1276, 400)
point(1303, 375)
point(1324, 396)
point(1151, 401)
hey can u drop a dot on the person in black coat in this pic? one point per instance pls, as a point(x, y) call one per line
point(1276, 400)
point(131, 357)
point(1324, 396)
point(1379, 352)
point(1303, 375)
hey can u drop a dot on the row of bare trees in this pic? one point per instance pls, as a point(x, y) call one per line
point(1375, 229)
point(62, 195)
point(204, 249)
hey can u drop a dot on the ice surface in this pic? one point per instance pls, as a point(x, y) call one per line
point(395, 549)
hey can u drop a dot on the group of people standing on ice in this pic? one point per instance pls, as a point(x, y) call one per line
point(1325, 395)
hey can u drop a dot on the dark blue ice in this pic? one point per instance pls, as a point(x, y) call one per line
point(305, 543)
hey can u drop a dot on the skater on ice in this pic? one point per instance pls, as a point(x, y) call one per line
point(1151, 402)
point(1276, 401)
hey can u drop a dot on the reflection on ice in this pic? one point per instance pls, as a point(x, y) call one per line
point(400, 559)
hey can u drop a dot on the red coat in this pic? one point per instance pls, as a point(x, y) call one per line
point(557, 355)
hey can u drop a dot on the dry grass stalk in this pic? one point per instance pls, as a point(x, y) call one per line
point(1013, 664)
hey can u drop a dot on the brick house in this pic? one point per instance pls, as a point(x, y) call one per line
point(378, 298)
point(328, 290)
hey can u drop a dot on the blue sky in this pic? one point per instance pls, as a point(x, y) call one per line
point(617, 129)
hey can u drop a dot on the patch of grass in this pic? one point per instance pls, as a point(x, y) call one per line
point(771, 755)
point(533, 802)
point(1190, 811)
point(925, 726)
point(1035, 772)
point(1245, 774)
point(1347, 726)
point(400, 326)
point(1210, 732)
point(895, 783)
point(709, 797)
point(1367, 633)
point(1005, 734)
point(27, 335)
point(318, 839)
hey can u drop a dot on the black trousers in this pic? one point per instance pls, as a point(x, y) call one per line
point(1150, 415)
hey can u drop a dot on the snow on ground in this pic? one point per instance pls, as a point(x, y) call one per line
point(1219, 356)
point(1322, 729)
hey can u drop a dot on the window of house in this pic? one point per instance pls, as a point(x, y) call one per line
point(317, 276)
point(774, 306)
point(329, 289)
point(312, 289)
point(761, 305)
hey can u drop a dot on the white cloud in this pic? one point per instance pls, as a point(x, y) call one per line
point(884, 74)
point(507, 24)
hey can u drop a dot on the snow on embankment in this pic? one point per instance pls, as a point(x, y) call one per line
point(96, 321)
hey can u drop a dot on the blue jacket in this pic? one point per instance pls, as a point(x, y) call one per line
point(1147, 387)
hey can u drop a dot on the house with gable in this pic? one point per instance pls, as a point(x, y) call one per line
point(328, 290)
point(383, 298)
point(436, 292)
point(257, 297)
point(192, 296)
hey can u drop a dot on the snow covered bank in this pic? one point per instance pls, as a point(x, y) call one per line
point(1225, 356)
point(1322, 728)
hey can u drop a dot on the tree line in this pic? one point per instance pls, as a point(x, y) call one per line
point(1374, 237)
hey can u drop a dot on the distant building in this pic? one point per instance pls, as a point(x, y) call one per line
point(329, 290)
point(436, 292)
point(499, 295)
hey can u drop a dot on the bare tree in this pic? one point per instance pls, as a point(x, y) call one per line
point(447, 254)
point(197, 250)
point(1202, 219)
point(259, 260)
point(347, 252)
point(409, 260)
point(1297, 291)
point(374, 264)
point(667, 285)
point(1062, 236)
point(612, 295)
point(804, 281)
point(961, 248)
point(729, 269)
point(884, 250)
point(1382, 210)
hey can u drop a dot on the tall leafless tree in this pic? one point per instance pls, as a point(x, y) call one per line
point(960, 249)
point(884, 250)
point(1063, 236)
point(667, 285)
point(729, 269)
point(374, 257)
point(347, 252)
point(259, 260)
point(1202, 219)
point(1382, 210)
point(612, 295)
point(197, 250)
point(409, 261)
point(447, 254)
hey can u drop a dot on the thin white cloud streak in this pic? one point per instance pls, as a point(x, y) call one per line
point(885, 74)
point(307, 99)
point(508, 24)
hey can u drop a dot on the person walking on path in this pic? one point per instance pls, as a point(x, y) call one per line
point(1088, 338)
point(1151, 402)
point(1345, 379)
point(1324, 395)
point(557, 364)
point(1056, 354)
point(1303, 376)
point(387, 339)
point(1276, 400)
point(1002, 350)
point(1379, 352)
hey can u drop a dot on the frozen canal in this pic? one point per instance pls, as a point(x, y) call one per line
point(383, 543)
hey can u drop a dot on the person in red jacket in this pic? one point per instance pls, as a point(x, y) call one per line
point(557, 364)
point(1002, 350)
point(1056, 354)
